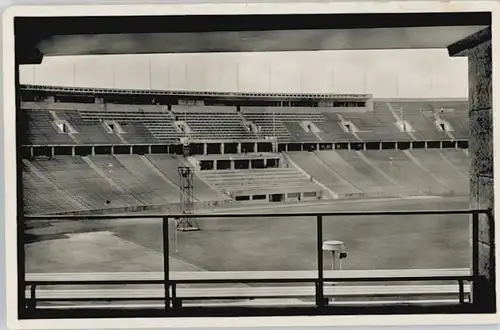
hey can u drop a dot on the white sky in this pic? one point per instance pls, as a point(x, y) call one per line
point(383, 73)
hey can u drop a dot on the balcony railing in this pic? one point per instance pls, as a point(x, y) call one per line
point(316, 285)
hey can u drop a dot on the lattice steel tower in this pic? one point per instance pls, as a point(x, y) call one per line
point(187, 197)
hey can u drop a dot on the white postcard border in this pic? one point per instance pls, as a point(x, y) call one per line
point(9, 107)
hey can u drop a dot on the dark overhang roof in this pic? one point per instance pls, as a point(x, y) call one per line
point(49, 36)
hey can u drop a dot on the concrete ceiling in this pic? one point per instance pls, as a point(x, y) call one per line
point(258, 41)
point(57, 36)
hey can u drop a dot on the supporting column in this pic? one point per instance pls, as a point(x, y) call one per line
point(222, 148)
point(481, 153)
point(239, 148)
point(204, 149)
point(478, 50)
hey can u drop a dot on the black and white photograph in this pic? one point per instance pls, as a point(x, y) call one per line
point(250, 162)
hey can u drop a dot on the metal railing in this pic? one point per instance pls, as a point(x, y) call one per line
point(170, 298)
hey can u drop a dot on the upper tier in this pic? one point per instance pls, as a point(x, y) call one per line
point(90, 123)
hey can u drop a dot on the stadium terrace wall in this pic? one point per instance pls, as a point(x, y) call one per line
point(231, 147)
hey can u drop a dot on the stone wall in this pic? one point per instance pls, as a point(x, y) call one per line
point(481, 163)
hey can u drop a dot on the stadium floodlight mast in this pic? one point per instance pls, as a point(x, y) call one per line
point(186, 174)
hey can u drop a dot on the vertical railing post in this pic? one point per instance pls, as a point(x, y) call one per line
point(461, 293)
point(475, 244)
point(320, 298)
point(166, 263)
point(491, 238)
point(475, 255)
point(32, 301)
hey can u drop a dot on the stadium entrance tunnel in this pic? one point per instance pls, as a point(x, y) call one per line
point(461, 33)
point(276, 197)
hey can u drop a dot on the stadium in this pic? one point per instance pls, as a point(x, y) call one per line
point(97, 151)
point(172, 202)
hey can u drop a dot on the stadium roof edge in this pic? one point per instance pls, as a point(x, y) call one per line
point(227, 95)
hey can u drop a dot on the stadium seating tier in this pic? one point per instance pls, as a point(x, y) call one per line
point(74, 183)
point(288, 124)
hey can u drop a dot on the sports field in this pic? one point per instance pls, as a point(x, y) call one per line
point(373, 242)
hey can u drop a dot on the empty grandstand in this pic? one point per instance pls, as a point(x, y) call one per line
point(105, 154)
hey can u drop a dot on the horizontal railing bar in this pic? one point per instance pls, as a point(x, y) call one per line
point(248, 215)
point(400, 279)
point(188, 303)
point(242, 275)
point(98, 299)
point(255, 280)
point(69, 300)
point(255, 292)
point(92, 282)
point(197, 281)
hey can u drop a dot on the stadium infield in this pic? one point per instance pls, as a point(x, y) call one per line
point(251, 244)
